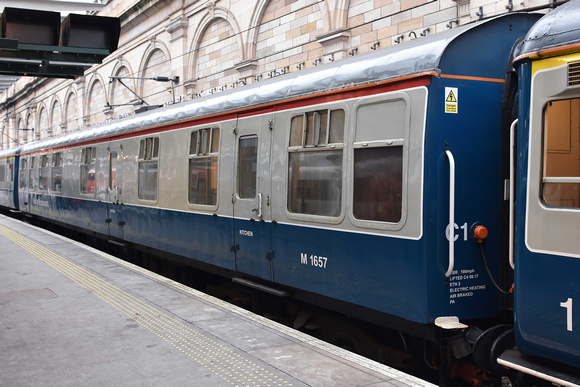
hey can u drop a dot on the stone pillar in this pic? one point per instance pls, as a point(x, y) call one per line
point(247, 69)
point(9, 123)
point(190, 89)
point(82, 120)
point(178, 30)
point(108, 111)
point(335, 44)
point(5, 129)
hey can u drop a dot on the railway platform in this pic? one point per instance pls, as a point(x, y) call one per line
point(74, 316)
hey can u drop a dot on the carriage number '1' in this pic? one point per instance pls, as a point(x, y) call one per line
point(568, 306)
point(314, 260)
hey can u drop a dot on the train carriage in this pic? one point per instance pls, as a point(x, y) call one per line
point(9, 166)
point(336, 179)
point(547, 206)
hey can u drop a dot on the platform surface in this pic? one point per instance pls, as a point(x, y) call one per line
point(74, 316)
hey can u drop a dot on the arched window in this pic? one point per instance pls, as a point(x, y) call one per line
point(72, 113)
point(97, 103)
point(156, 93)
point(217, 53)
point(121, 96)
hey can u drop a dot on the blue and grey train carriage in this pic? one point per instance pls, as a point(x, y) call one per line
point(373, 186)
point(546, 243)
point(9, 164)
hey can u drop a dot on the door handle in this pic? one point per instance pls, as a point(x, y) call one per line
point(258, 210)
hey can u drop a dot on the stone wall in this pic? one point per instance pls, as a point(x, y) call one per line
point(205, 47)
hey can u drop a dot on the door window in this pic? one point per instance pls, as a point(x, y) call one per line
point(247, 167)
point(113, 171)
point(561, 152)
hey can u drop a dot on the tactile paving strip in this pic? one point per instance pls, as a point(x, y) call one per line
point(216, 358)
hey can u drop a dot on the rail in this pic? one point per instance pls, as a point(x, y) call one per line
point(512, 188)
point(451, 212)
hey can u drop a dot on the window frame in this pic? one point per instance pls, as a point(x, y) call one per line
point(386, 141)
point(149, 151)
point(306, 148)
point(44, 168)
point(545, 227)
point(11, 168)
point(23, 175)
point(205, 138)
point(56, 164)
point(88, 159)
point(561, 180)
point(242, 162)
point(32, 175)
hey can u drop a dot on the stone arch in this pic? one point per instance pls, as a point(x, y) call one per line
point(284, 36)
point(72, 116)
point(56, 116)
point(211, 16)
point(119, 94)
point(252, 34)
point(257, 20)
point(215, 62)
point(96, 102)
point(12, 134)
point(42, 127)
point(156, 62)
point(21, 136)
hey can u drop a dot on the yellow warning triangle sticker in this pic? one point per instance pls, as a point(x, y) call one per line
point(451, 97)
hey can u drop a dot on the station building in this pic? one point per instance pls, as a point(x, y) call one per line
point(174, 50)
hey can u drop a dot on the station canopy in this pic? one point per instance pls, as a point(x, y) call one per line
point(40, 43)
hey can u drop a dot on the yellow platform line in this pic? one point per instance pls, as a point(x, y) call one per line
point(213, 356)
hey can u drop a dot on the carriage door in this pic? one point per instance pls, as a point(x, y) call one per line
point(115, 193)
point(252, 214)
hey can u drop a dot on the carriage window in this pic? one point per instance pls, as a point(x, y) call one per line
point(378, 161)
point(56, 173)
point(2, 172)
point(9, 171)
point(378, 183)
point(113, 170)
point(247, 164)
point(315, 163)
point(203, 166)
point(148, 168)
point(32, 174)
point(23, 171)
point(88, 165)
point(43, 173)
point(561, 151)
